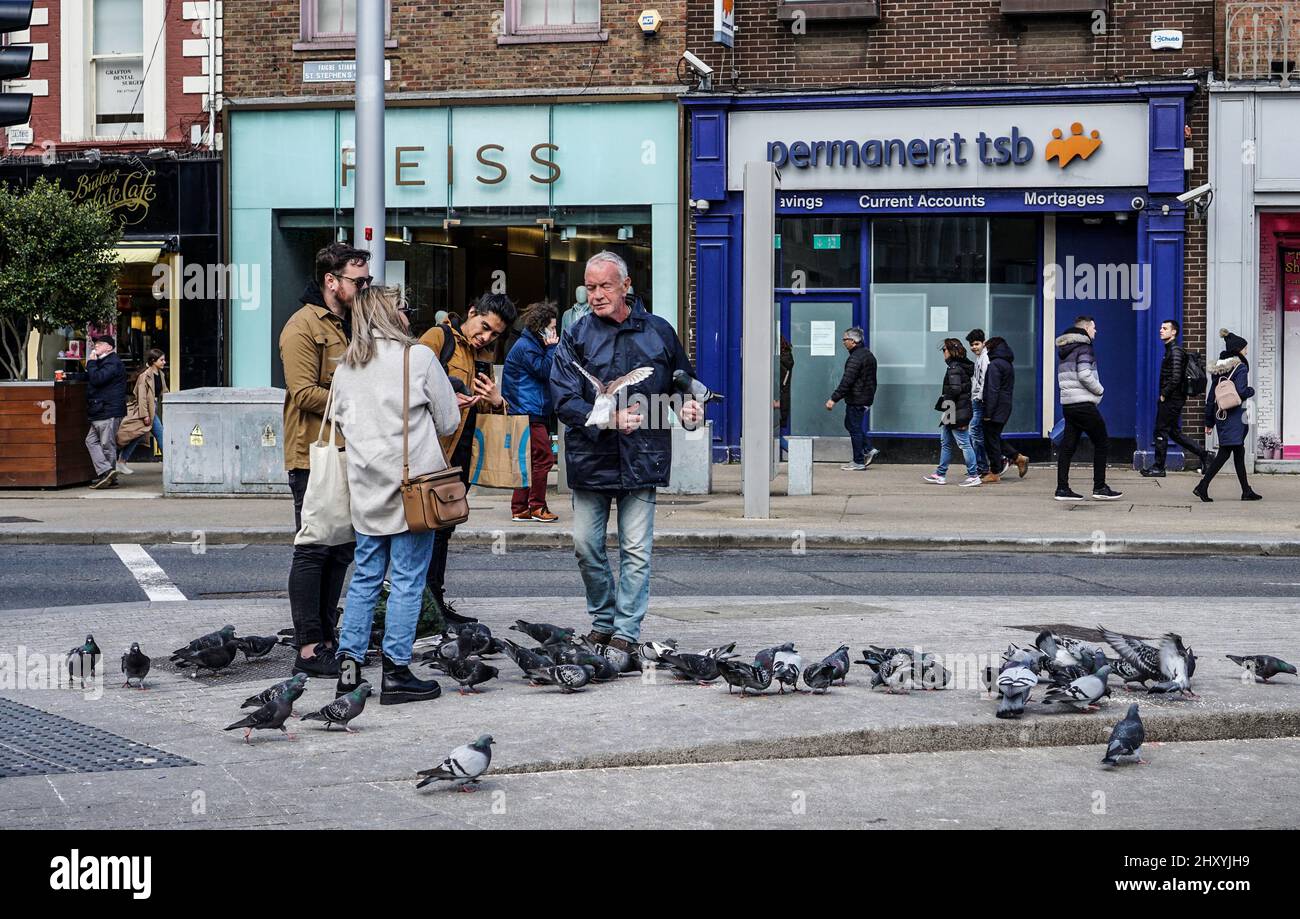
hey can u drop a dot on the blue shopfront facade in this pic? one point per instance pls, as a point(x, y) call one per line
point(918, 216)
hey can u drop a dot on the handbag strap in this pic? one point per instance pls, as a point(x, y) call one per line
point(406, 413)
point(328, 416)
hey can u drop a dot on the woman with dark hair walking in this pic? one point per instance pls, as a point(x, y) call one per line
point(1228, 418)
point(954, 425)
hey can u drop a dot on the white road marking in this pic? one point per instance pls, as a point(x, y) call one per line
point(151, 578)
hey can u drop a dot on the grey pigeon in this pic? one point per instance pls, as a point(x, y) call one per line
point(1263, 666)
point(839, 662)
point(343, 709)
point(1177, 664)
point(745, 676)
point(135, 664)
point(468, 673)
point(463, 766)
point(897, 674)
point(270, 717)
point(525, 658)
point(83, 660)
point(603, 671)
point(722, 652)
point(222, 636)
point(818, 677)
point(767, 657)
point(1015, 682)
point(542, 632)
point(1143, 660)
point(1127, 672)
point(473, 638)
point(213, 659)
point(1082, 693)
point(256, 645)
point(652, 651)
point(294, 686)
point(687, 385)
point(569, 677)
point(1125, 738)
point(697, 667)
point(786, 666)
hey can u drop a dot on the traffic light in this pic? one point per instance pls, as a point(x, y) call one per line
point(15, 62)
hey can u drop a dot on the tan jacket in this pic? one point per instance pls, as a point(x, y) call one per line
point(140, 414)
point(311, 346)
point(461, 364)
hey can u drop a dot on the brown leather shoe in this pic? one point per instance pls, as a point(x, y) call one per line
point(990, 478)
point(1022, 465)
point(622, 644)
point(599, 638)
point(544, 515)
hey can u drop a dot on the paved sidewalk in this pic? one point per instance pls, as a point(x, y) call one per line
point(886, 507)
point(332, 779)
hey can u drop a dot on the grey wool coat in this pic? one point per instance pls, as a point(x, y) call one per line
point(369, 407)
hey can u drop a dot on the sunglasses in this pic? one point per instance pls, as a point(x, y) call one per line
point(360, 282)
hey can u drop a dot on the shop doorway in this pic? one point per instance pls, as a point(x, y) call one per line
point(1289, 311)
point(813, 326)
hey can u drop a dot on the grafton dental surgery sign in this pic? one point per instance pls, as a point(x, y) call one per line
point(999, 146)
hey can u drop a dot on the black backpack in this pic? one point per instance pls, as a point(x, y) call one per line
point(1194, 374)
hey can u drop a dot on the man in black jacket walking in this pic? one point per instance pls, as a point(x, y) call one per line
point(1173, 394)
point(857, 389)
point(106, 407)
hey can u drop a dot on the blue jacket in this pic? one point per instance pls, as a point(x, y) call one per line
point(999, 384)
point(525, 380)
point(606, 460)
point(106, 394)
point(1232, 429)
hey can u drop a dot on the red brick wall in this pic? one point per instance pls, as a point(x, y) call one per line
point(451, 45)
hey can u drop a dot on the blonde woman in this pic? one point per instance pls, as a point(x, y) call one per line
point(368, 397)
point(143, 417)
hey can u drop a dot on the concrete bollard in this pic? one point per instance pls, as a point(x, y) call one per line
point(692, 469)
point(799, 466)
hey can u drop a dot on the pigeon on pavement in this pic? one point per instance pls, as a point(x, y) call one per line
point(213, 659)
point(135, 664)
point(1082, 693)
point(1177, 664)
point(463, 766)
point(83, 660)
point(569, 677)
point(541, 632)
point(603, 671)
point(270, 717)
point(1142, 660)
point(819, 676)
point(343, 709)
point(468, 673)
point(652, 651)
point(697, 667)
point(525, 658)
point(473, 638)
point(256, 645)
point(767, 657)
point(1126, 738)
point(602, 408)
point(1015, 682)
point(294, 686)
point(786, 666)
point(839, 662)
point(222, 636)
point(745, 676)
point(1263, 666)
point(722, 652)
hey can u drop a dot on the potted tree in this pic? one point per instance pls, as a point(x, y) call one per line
point(59, 271)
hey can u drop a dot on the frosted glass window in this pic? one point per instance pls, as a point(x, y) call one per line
point(557, 15)
point(336, 17)
point(118, 27)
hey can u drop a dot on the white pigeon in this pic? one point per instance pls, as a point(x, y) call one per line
point(602, 410)
point(463, 766)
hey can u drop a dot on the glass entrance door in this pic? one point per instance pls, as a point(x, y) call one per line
point(814, 325)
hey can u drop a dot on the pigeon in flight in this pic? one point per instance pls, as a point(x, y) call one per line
point(222, 636)
point(135, 664)
point(270, 717)
point(1264, 666)
point(294, 686)
point(83, 660)
point(463, 766)
point(343, 709)
point(1126, 738)
point(602, 410)
point(745, 676)
point(569, 677)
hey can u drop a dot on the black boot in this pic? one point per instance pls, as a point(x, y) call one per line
point(1155, 472)
point(1250, 495)
point(449, 614)
point(1202, 491)
point(401, 685)
point(349, 677)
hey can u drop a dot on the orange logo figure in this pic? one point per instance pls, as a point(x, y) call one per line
point(1065, 150)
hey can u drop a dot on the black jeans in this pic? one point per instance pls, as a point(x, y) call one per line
point(437, 577)
point(854, 418)
point(316, 578)
point(1167, 429)
point(1238, 454)
point(1082, 418)
point(999, 452)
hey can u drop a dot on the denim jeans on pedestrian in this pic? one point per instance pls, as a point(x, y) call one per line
point(950, 439)
point(127, 451)
point(408, 554)
point(855, 422)
point(977, 436)
point(615, 609)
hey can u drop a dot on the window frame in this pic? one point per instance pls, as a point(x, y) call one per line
point(311, 39)
point(842, 10)
point(515, 33)
point(92, 84)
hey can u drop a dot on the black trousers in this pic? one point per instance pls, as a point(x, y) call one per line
point(1167, 429)
point(316, 578)
point(437, 576)
point(1082, 418)
point(1238, 454)
point(998, 451)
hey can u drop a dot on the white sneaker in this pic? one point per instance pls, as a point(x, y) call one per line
point(124, 469)
point(853, 467)
point(870, 458)
point(935, 479)
point(972, 481)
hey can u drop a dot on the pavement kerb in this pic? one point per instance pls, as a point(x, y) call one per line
point(766, 538)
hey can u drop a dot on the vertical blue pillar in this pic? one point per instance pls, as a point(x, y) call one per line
point(1161, 241)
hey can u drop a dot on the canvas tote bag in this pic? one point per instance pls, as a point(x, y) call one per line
point(327, 504)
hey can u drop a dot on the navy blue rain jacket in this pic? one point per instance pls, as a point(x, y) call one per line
point(526, 377)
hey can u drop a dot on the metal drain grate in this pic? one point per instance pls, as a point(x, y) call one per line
point(33, 742)
point(274, 667)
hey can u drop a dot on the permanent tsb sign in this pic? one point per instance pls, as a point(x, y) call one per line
point(1001, 146)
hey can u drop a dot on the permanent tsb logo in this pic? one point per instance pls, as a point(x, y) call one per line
point(1065, 149)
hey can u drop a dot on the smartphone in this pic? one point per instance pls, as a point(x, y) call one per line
point(485, 368)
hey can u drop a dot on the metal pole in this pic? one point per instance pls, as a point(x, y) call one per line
point(212, 75)
point(370, 222)
point(758, 344)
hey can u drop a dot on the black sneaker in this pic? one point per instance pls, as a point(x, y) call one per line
point(1064, 494)
point(401, 685)
point(350, 677)
point(449, 614)
point(107, 480)
point(1106, 493)
point(321, 665)
point(1155, 472)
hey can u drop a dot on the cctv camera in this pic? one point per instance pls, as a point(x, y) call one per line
point(1198, 192)
point(1138, 203)
point(697, 65)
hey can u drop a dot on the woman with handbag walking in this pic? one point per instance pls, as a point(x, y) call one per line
point(392, 401)
point(1225, 411)
point(955, 404)
point(143, 418)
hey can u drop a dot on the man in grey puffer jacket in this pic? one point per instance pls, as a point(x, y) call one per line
point(1081, 391)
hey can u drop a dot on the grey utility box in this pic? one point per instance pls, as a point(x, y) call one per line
point(224, 442)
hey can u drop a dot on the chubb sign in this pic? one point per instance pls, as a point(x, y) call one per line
point(993, 146)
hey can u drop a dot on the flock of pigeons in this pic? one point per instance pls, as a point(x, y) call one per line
point(1074, 673)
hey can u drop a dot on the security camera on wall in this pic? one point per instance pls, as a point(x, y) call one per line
point(702, 70)
point(1199, 191)
point(1138, 203)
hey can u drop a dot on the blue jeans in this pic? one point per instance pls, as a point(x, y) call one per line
point(125, 455)
point(855, 422)
point(977, 436)
point(409, 554)
point(950, 438)
point(615, 609)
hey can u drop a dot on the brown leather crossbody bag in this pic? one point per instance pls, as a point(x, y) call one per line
point(437, 499)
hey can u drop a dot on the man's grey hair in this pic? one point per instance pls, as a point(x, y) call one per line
point(612, 259)
point(854, 333)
